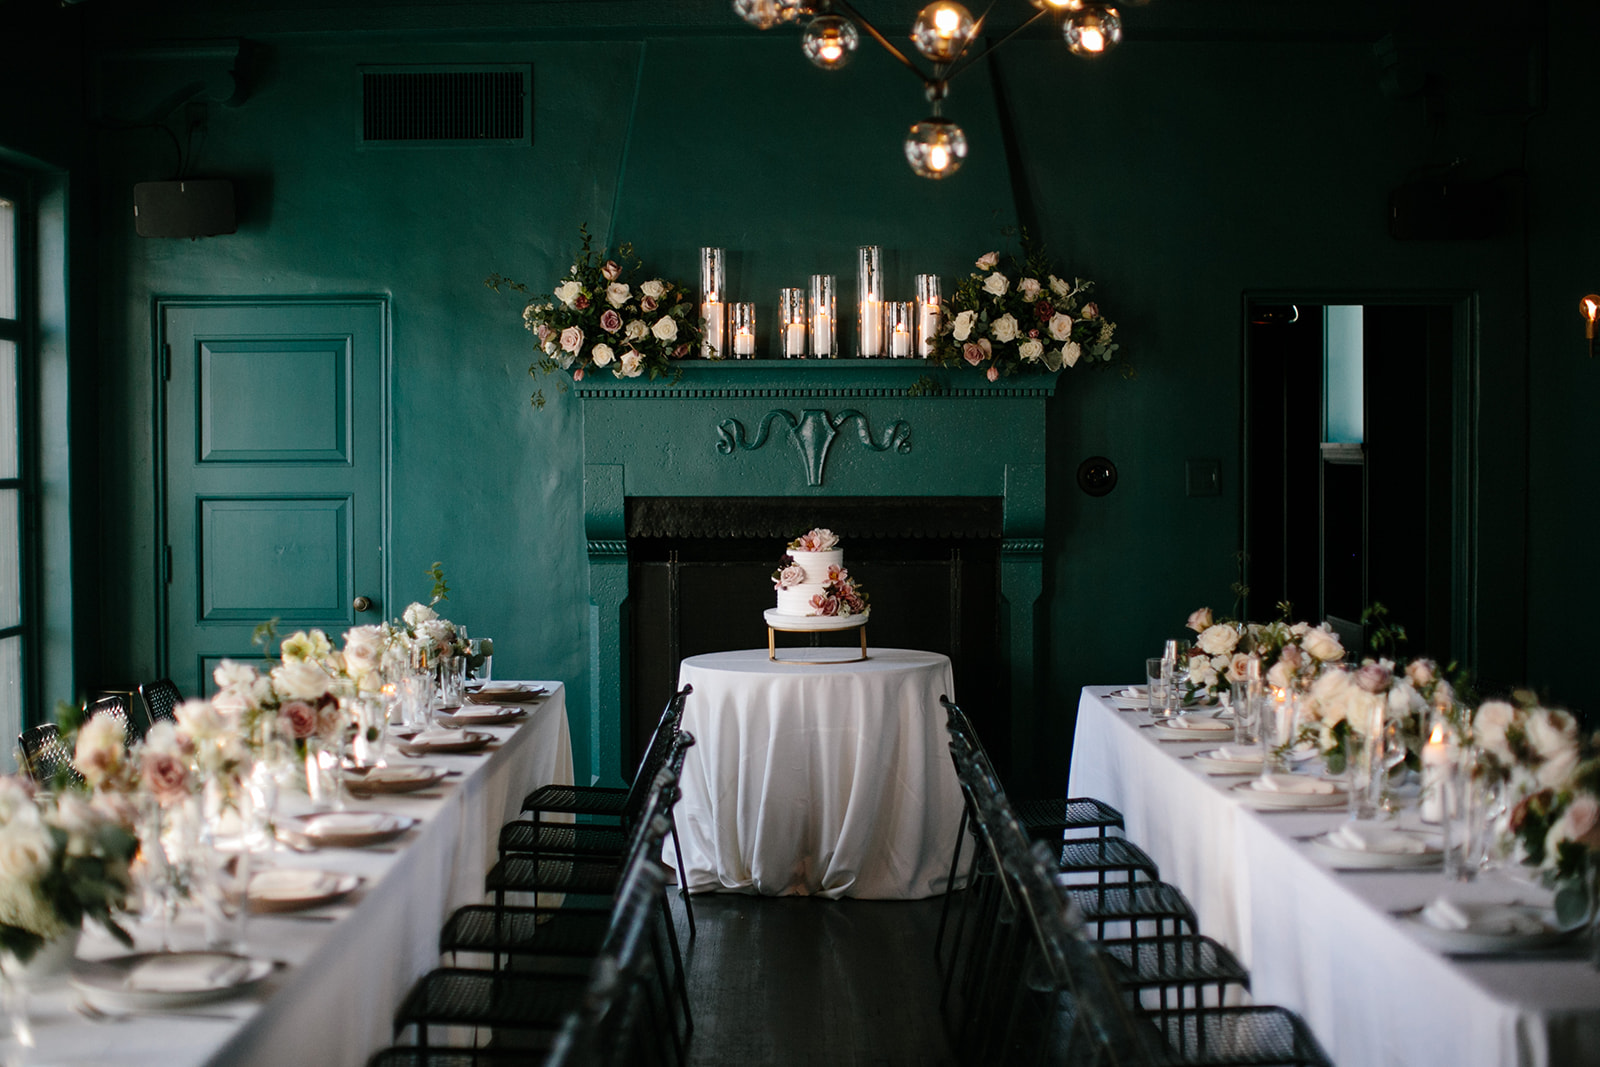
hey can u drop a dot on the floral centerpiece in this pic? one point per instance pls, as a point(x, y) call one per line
point(604, 317)
point(63, 859)
point(1024, 319)
point(1291, 654)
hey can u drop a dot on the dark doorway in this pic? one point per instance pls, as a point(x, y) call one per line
point(1353, 494)
point(700, 578)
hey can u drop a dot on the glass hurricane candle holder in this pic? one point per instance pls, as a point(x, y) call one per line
point(712, 309)
point(744, 331)
point(824, 318)
point(792, 323)
point(869, 295)
point(902, 328)
point(928, 296)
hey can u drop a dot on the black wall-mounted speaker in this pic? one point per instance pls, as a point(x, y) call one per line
point(184, 209)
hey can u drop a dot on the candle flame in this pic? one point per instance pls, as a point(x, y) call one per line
point(1437, 737)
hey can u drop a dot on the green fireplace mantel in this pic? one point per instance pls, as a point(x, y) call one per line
point(797, 428)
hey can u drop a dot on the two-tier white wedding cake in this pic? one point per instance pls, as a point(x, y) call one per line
point(812, 581)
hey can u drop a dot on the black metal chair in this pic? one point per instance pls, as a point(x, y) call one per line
point(161, 699)
point(116, 706)
point(600, 802)
point(45, 756)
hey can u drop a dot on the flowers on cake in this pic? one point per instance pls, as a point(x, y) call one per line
point(1026, 320)
point(789, 574)
point(817, 540)
point(840, 595)
point(603, 319)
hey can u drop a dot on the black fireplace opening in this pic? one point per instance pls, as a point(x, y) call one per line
point(699, 579)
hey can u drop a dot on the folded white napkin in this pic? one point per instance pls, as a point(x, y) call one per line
point(1199, 723)
point(438, 735)
point(186, 973)
point(1481, 918)
point(1133, 692)
point(1365, 837)
point(480, 711)
point(1239, 753)
point(1292, 783)
point(500, 687)
point(347, 822)
point(289, 883)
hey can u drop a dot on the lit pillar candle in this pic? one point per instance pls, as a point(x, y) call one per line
point(900, 343)
point(744, 343)
point(1436, 760)
point(794, 341)
point(712, 311)
point(928, 296)
point(872, 327)
point(822, 335)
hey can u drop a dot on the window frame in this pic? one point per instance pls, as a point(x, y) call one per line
point(21, 190)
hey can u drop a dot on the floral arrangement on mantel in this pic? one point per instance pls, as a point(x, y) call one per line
point(602, 319)
point(1024, 319)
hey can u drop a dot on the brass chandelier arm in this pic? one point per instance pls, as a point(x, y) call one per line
point(844, 8)
point(964, 66)
point(943, 73)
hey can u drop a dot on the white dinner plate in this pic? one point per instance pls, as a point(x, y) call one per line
point(458, 741)
point(1193, 728)
point(404, 778)
point(1261, 798)
point(348, 829)
point(297, 888)
point(1478, 941)
point(1353, 859)
point(511, 693)
point(481, 715)
point(146, 980)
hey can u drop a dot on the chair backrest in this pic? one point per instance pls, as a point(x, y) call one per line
point(654, 818)
point(45, 755)
point(656, 753)
point(161, 699)
point(116, 706)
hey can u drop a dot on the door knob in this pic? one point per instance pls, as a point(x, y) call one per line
point(362, 603)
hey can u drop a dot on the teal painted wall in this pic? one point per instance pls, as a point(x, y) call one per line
point(1181, 173)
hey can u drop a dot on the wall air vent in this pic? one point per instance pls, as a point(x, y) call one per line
point(478, 104)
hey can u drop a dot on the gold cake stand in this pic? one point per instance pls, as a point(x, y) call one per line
point(811, 625)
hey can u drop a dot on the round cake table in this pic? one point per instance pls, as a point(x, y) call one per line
point(827, 779)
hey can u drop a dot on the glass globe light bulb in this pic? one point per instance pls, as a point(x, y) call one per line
point(829, 41)
point(1589, 308)
point(762, 14)
point(935, 148)
point(791, 10)
point(942, 30)
point(1092, 30)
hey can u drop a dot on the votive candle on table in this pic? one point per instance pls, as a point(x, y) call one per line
point(900, 328)
point(744, 331)
point(1436, 761)
point(712, 311)
point(869, 294)
point(824, 331)
point(927, 313)
point(792, 322)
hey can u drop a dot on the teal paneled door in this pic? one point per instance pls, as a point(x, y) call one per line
point(273, 473)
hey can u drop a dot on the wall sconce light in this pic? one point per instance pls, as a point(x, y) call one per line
point(1589, 308)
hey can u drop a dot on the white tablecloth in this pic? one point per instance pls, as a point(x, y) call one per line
point(828, 780)
point(1323, 943)
point(334, 1003)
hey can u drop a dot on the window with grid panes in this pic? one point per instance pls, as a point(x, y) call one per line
point(16, 628)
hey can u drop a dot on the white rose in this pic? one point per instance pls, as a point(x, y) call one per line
point(988, 260)
point(363, 649)
point(1489, 724)
point(1070, 353)
point(101, 743)
point(1059, 287)
point(602, 355)
point(997, 284)
point(201, 720)
point(1280, 675)
point(1004, 328)
point(1031, 350)
point(617, 294)
point(1219, 640)
point(963, 325)
point(25, 851)
point(1060, 326)
point(655, 288)
point(300, 681)
point(636, 330)
point(632, 364)
point(665, 329)
point(568, 293)
point(231, 674)
point(1029, 288)
point(1322, 645)
point(417, 614)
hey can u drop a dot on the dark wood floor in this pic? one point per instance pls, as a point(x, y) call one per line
point(806, 982)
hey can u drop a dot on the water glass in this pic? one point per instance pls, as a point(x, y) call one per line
point(416, 698)
point(1158, 679)
point(225, 899)
point(325, 772)
point(1363, 779)
point(1462, 821)
point(1246, 714)
point(1278, 716)
point(452, 681)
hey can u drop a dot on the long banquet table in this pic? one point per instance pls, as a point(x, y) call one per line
point(1326, 943)
point(347, 965)
point(825, 779)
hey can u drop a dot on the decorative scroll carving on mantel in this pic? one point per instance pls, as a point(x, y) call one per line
point(812, 435)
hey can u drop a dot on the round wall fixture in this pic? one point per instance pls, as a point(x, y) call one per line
point(1097, 476)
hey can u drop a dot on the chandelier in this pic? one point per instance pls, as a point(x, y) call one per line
point(943, 33)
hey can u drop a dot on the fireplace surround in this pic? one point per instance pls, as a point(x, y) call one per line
point(738, 450)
